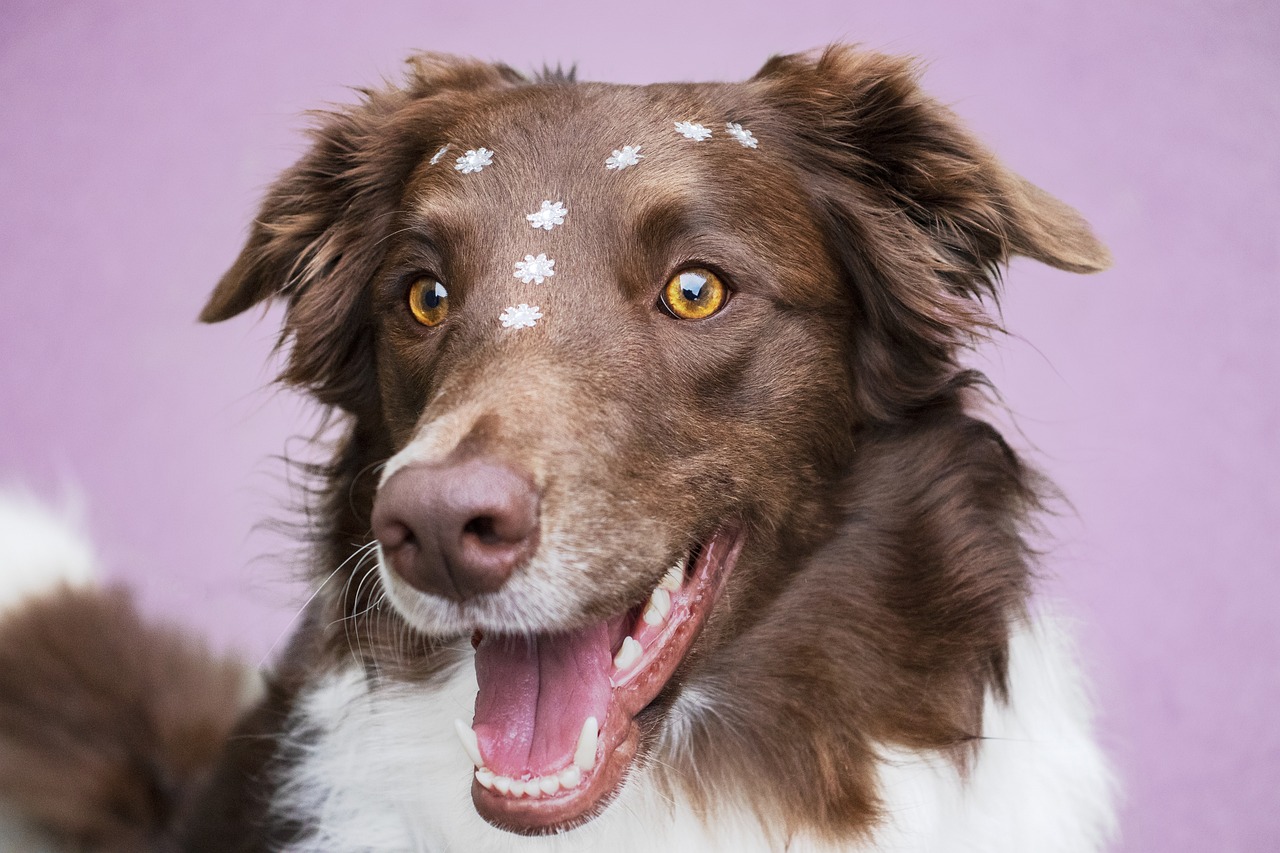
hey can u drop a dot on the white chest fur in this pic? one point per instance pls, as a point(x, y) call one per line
point(384, 772)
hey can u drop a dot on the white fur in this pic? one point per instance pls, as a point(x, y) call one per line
point(1041, 782)
point(39, 549)
point(381, 770)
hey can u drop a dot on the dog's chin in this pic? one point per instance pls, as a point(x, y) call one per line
point(555, 730)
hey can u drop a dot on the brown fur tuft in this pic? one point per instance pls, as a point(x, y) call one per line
point(108, 726)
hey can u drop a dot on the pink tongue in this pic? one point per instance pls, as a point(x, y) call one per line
point(535, 694)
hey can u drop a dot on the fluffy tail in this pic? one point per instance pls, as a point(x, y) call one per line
point(108, 724)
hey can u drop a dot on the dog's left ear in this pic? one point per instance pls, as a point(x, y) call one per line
point(921, 216)
point(862, 115)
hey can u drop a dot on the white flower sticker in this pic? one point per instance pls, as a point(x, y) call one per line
point(548, 216)
point(520, 316)
point(741, 134)
point(435, 158)
point(535, 270)
point(474, 160)
point(628, 156)
point(692, 130)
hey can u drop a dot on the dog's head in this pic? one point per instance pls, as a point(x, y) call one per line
point(616, 351)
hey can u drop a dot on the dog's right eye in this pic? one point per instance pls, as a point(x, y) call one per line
point(429, 301)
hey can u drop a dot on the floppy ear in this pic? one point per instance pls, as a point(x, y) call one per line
point(320, 234)
point(921, 216)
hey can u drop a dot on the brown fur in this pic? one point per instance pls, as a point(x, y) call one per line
point(107, 724)
point(824, 409)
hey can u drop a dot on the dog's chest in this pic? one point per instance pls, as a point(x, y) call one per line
point(381, 770)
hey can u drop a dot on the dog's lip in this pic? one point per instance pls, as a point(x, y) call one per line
point(619, 738)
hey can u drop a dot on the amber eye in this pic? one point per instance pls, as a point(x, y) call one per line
point(429, 301)
point(695, 294)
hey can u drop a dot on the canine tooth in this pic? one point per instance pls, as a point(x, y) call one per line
point(584, 757)
point(570, 777)
point(469, 742)
point(629, 653)
point(517, 788)
point(674, 578)
point(502, 784)
point(659, 606)
point(485, 777)
point(549, 785)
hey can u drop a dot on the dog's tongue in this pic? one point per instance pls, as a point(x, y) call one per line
point(535, 694)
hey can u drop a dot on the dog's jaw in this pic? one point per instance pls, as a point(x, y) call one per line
point(512, 789)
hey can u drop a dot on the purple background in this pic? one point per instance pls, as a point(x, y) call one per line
point(136, 140)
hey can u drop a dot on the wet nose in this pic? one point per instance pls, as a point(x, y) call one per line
point(456, 529)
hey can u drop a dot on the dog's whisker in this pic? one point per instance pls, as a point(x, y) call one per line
point(374, 467)
point(370, 571)
point(305, 605)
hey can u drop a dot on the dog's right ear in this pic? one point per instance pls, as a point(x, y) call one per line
point(320, 233)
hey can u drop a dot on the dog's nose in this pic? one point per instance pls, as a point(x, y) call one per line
point(456, 529)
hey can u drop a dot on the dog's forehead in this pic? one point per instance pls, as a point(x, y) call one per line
point(545, 190)
point(575, 128)
point(603, 155)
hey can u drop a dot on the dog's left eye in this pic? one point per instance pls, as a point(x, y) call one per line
point(429, 301)
point(694, 294)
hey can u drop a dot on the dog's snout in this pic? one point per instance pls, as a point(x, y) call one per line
point(456, 529)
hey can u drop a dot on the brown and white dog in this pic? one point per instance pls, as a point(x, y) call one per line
point(665, 517)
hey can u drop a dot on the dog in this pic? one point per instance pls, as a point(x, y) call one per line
point(664, 514)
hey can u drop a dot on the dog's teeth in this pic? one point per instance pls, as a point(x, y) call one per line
point(570, 777)
point(629, 653)
point(469, 742)
point(584, 757)
point(535, 788)
point(674, 578)
point(658, 608)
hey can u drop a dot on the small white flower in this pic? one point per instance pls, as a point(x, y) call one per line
point(474, 160)
point(628, 156)
point(520, 316)
point(741, 134)
point(692, 130)
point(435, 158)
point(535, 270)
point(548, 216)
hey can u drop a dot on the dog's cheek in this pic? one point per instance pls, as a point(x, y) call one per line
point(406, 374)
point(775, 421)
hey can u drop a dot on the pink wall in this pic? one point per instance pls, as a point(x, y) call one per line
point(136, 139)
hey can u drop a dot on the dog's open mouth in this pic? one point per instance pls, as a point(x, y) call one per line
point(554, 729)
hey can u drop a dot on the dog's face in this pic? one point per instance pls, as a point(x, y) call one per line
point(629, 414)
point(602, 470)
